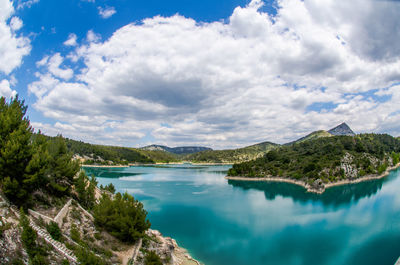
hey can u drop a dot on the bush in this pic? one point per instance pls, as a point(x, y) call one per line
point(75, 235)
point(86, 257)
point(123, 216)
point(54, 231)
point(152, 259)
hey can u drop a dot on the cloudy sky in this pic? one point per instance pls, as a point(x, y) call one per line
point(222, 74)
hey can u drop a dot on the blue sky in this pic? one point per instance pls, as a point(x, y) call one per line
point(222, 74)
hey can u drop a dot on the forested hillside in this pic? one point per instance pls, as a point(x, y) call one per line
point(329, 159)
point(231, 156)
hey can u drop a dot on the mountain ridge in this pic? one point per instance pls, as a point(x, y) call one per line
point(180, 150)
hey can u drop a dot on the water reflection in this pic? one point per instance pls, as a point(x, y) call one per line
point(335, 196)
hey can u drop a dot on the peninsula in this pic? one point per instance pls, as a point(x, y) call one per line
point(323, 162)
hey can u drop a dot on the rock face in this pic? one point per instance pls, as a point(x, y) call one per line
point(342, 129)
point(166, 248)
point(177, 150)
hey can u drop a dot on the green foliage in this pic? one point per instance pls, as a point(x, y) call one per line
point(85, 190)
point(86, 257)
point(65, 262)
point(39, 260)
point(28, 235)
point(54, 231)
point(123, 216)
point(313, 159)
point(395, 158)
point(231, 156)
point(28, 238)
point(152, 259)
point(75, 235)
point(20, 165)
point(62, 168)
point(118, 155)
point(110, 187)
point(17, 261)
point(3, 226)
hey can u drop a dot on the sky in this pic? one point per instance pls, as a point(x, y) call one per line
point(221, 74)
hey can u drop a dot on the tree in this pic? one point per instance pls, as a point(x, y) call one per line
point(20, 164)
point(85, 190)
point(54, 230)
point(110, 187)
point(62, 168)
point(122, 216)
point(28, 235)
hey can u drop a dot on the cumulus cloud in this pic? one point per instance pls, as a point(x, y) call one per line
point(53, 64)
point(5, 90)
point(12, 46)
point(16, 23)
point(228, 84)
point(71, 41)
point(106, 12)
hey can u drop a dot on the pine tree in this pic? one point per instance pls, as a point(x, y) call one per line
point(16, 151)
point(62, 168)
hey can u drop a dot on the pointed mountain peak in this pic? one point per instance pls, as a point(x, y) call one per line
point(342, 129)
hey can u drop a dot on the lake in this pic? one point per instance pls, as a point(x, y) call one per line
point(225, 222)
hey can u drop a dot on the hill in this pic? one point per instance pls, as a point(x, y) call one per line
point(312, 136)
point(181, 150)
point(326, 160)
point(231, 156)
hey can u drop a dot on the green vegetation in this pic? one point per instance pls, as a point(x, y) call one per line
point(312, 136)
point(54, 231)
point(161, 156)
point(231, 156)
point(86, 257)
point(101, 154)
point(28, 238)
point(30, 163)
point(41, 167)
point(122, 216)
point(85, 190)
point(329, 158)
point(152, 259)
point(110, 188)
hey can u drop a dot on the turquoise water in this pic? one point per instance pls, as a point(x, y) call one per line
point(225, 222)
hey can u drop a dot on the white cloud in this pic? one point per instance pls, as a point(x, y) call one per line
point(16, 23)
point(71, 41)
point(5, 90)
point(106, 12)
point(12, 46)
point(220, 84)
point(91, 36)
point(53, 66)
point(28, 3)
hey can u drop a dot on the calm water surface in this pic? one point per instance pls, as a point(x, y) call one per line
point(225, 222)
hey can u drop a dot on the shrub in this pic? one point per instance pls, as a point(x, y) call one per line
point(123, 216)
point(152, 259)
point(54, 231)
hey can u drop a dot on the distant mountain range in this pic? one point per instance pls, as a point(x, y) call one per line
point(181, 150)
point(99, 154)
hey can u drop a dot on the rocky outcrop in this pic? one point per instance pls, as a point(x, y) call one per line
point(342, 129)
point(166, 248)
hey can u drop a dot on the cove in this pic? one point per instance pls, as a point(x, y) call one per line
point(237, 222)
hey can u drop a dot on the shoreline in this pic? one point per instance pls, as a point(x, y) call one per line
point(310, 188)
point(105, 166)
